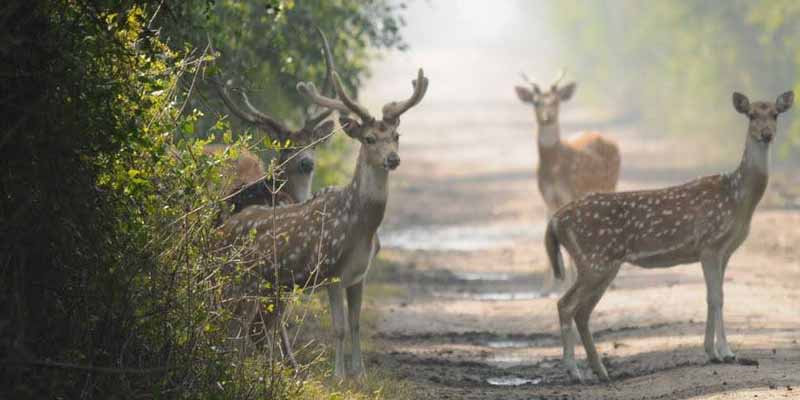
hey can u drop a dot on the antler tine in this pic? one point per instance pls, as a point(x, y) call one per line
point(561, 74)
point(263, 117)
point(526, 78)
point(337, 82)
point(329, 67)
point(251, 115)
point(222, 90)
point(313, 121)
point(310, 92)
point(348, 101)
point(393, 110)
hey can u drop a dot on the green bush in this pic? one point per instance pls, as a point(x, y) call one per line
point(114, 282)
point(690, 55)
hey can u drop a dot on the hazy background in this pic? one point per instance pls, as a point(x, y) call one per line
point(663, 67)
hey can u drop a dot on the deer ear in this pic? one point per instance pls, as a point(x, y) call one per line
point(565, 92)
point(524, 94)
point(323, 129)
point(784, 101)
point(741, 103)
point(350, 126)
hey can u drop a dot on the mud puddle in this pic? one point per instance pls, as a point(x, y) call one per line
point(462, 237)
point(494, 296)
point(513, 381)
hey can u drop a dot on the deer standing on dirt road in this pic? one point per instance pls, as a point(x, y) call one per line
point(568, 170)
point(332, 235)
point(704, 220)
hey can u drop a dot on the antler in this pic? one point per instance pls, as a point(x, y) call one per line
point(348, 101)
point(561, 74)
point(393, 110)
point(251, 115)
point(526, 78)
point(313, 121)
point(346, 104)
point(308, 90)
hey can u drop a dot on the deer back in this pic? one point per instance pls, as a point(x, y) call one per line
point(296, 240)
point(648, 227)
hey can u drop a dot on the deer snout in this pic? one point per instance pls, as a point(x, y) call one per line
point(392, 161)
point(306, 166)
point(767, 136)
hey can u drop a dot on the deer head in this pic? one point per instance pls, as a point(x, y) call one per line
point(379, 137)
point(546, 104)
point(763, 115)
point(298, 157)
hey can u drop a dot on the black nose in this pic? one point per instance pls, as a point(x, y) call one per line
point(392, 161)
point(306, 165)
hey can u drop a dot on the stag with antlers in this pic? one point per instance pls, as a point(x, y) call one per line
point(246, 182)
point(296, 161)
point(332, 236)
point(705, 220)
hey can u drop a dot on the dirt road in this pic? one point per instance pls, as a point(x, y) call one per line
point(461, 291)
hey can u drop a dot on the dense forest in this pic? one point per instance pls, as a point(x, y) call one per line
point(108, 253)
point(688, 54)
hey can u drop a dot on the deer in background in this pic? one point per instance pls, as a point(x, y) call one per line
point(297, 160)
point(704, 220)
point(246, 183)
point(332, 236)
point(568, 170)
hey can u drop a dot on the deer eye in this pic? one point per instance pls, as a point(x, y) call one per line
point(369, 140)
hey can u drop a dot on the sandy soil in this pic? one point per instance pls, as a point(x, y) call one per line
point(465, 276)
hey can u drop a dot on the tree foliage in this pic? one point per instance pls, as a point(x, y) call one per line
point(111, 282)
point(677, 62)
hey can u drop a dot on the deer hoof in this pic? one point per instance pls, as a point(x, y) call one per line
point(713, 357)
point(729, 359)
point(575, 374)
point(602, 375)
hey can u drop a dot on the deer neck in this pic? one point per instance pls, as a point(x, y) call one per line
point(299, 187)
point(549, 140)
point(751, 177)
point(369, 191)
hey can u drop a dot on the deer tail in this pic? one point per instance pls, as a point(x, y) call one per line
point(553, 248)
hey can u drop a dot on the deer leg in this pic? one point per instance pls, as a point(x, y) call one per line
point(566, 312)
point(723, 349)
point(241, 331)
point(712, 275)
point(588, 296)
point(571, 272)
point(287, 346)
point(337, 314)
point(354, 295)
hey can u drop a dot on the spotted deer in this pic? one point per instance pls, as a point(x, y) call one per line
point(331, 237)
point(570, 169)
point(704, 220)
point(245, 181)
